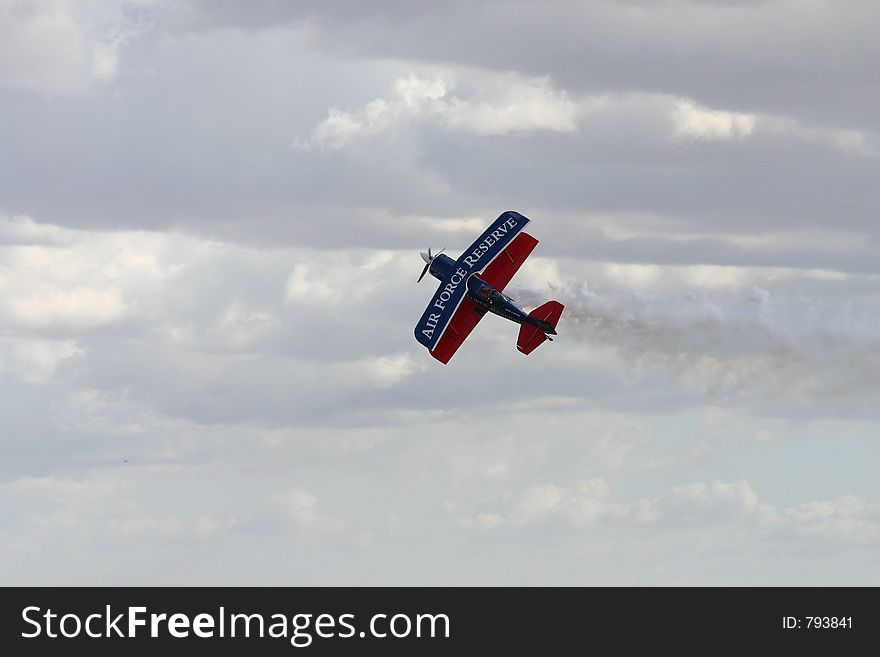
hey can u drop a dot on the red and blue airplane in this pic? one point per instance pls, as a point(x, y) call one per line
point(472, 286)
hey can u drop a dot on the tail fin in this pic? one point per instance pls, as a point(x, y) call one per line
point(530, 337)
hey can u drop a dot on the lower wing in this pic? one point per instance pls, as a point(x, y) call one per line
point(460, 326)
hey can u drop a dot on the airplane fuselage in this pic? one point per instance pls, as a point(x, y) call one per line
point(487, 297)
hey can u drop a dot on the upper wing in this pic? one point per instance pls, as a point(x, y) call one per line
point(462, 323)
point(492, 242)
point(502, 269)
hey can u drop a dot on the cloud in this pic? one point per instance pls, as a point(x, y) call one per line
point(480, 104)
point(23, 230)
point(558, 149)
point(179, 328)
point(588, 504)
point(78, 307)
point(35, 361)
point(847, 519)
point(496, 104)
point(112, 514)
point(389, 370)
point(304, 287)
point(700, 123)
point(699, 503)
point(764, 55)
point(580, 506)
point(174, 530)
point(63, 47)
point(54, 278)
point(302, 507)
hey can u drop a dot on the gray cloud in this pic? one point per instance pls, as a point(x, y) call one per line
point(769, 56)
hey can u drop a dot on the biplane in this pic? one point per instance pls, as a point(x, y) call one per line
point(473, 285)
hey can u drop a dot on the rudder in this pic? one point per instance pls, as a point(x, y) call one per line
point(531, 337)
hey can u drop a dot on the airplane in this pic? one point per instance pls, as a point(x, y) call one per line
point(472, 286)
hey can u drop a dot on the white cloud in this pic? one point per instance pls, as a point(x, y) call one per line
point(76, 307)
point(201, 529)
point(588, 508)
point(514, 106)
point(846, 519)
point(301, 506)
point(93, 411)
point(54, 277)
point(551, 505)
point(304, 285)
point(697, 122)
point(495, 104)
point(35, 360)
point(487, 104)
point(390, 370)
point(242, 327)
point(339, 127)
point(701, 503)
point(105, 61)
point(191, 332)
point(23, 230)
point(703, 523)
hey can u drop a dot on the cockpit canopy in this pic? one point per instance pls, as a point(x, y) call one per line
point(494, 296)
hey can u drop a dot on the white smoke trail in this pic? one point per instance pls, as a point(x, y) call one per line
point(741, 342)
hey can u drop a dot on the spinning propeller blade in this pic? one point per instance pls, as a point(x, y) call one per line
point(428, 258)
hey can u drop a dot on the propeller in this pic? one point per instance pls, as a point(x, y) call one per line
point(428, 258)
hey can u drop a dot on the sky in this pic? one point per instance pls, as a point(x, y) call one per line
point(210, 218)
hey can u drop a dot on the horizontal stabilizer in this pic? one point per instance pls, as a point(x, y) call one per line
point(531, 337)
